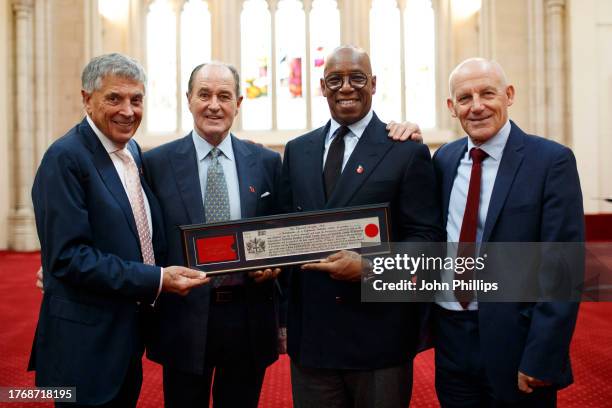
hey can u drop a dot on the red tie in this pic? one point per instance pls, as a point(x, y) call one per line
point(470, 224)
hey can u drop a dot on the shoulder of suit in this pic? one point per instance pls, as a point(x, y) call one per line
point(70, 143)
point(164, 149)
point(262, 151)
point(307, 137)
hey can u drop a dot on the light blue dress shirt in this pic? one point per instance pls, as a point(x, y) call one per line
point(228, 162)
point(494, 147)
point(350, 139)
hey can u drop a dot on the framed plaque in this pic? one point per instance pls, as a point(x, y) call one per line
point(287, 239)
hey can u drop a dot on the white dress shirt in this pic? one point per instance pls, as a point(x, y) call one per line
point(494, 147)
point(350, 139)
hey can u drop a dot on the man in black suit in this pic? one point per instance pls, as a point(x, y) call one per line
point(229, 327)
point(98, 224)
point(345, 353)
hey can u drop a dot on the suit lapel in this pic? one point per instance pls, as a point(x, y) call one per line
point(312, 167)
point(185, 165)
point(246, 166)
point(449, 176)
point(370, 149)
point(108, 172)
point(510, 163)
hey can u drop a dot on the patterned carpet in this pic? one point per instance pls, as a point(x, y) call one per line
point(591, 350)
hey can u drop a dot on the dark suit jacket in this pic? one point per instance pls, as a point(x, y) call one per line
point(536, 198)
point(89, 324)
point(328, 326)
point(178, 336)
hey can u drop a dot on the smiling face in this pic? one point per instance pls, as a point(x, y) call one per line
point(348, 104)
point(116, 107)
point(480, 98)
point(213, 102)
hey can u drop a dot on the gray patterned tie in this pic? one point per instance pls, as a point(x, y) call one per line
point(217, 209)
point(216, 202)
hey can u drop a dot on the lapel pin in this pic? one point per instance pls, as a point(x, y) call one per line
point(251, 189)
point(359, 169)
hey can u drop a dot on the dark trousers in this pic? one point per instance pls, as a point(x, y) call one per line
point(236, 381)
point(127, 397)
point(333, 388)
point(461, 381)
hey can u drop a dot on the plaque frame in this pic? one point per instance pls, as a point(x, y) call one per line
point(229, 236)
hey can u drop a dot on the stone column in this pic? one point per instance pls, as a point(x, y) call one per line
point(537, 70)
point(355, 22)
point(307, 63)
point(22, 236)
point(555, 63)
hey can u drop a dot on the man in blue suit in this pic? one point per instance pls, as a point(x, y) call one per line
point(98, 224)
point(229, 327)
point(502, 185)
point(345, 353)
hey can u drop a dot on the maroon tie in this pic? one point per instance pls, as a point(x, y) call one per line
point(467, 237)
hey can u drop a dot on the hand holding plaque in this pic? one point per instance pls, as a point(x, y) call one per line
point(264, 275)
point(343, 265)
point(270, 242)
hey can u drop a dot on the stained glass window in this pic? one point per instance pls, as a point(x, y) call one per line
point(324, 37)
point(290, 58)
point(256, 42)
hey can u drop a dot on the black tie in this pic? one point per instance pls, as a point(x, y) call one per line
point(333, 164)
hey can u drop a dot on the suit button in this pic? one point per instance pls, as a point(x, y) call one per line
point(339, 299)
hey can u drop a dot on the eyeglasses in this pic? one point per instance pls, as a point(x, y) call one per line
point(357, 80)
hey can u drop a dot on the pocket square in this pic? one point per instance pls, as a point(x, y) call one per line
point(267, 193)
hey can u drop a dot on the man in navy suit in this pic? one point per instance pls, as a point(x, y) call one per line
point(345, 353)
point(522, 188)
point(98, 223)
point(230, 327)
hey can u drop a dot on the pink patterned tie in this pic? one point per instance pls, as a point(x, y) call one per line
point(135, 195)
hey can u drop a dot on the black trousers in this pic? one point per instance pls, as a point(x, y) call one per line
point(236, 380)
point(127, 397)
point(461, 381)
point(338, 388)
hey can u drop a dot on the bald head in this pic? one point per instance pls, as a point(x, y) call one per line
point(477, 66)
point(349, 53)
point(479, 97)
point(348, 84)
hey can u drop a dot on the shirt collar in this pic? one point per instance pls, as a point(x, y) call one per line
point(494, 147)
point(203, 148)
point(356, 128)
point(108, 144)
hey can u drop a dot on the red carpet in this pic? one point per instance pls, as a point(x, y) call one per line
point(591, 350)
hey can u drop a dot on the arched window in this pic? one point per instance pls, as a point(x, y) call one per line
point(280, 47)
point(178, 39)
point(420, 62)
point(324, 37)
point(256, 54)
point(161, 68)
point(404, 64)
point(386, 58)
point(195, 48)
point(286, 94)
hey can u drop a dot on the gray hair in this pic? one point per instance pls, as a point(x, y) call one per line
point(232, 69)
point(111, 64)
